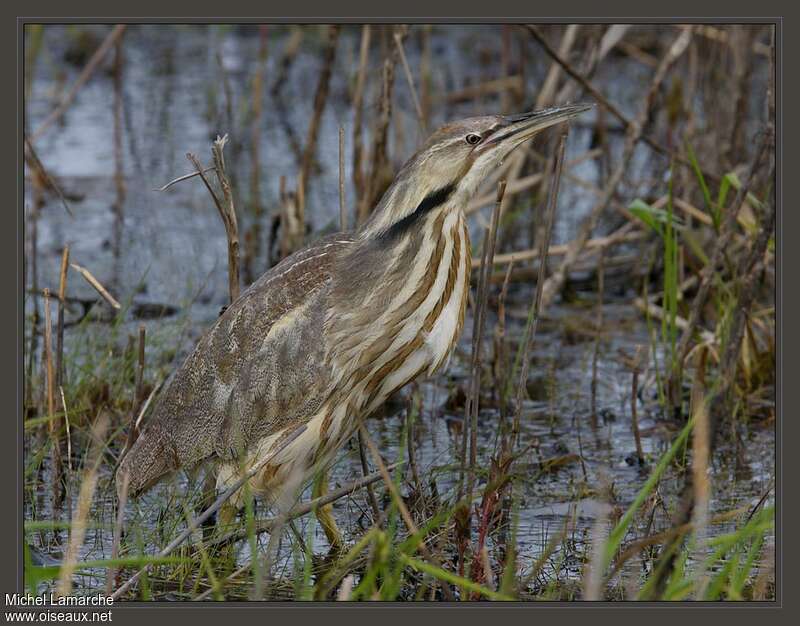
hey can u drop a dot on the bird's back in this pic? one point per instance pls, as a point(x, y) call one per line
point(260, 368)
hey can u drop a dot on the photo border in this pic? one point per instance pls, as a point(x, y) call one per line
point(163, 12)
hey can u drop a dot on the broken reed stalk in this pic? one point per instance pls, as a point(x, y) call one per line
point(221, 499)
point(66, 423)
point(227, 210)
point(83, 77)
point(62, 294)
point(79, 520)
point(342, 207)
point(477, 342)
point(536, 305)
point(96, 284)
point(320, 99)
point(467, 411)
point(358, 121)
point(398, 40)
point(633, 134)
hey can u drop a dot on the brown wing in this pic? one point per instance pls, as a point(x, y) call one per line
point(259, 368)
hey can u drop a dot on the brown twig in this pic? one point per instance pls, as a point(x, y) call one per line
point(96, 284)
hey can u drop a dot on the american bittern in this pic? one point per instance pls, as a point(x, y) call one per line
point(325, 336)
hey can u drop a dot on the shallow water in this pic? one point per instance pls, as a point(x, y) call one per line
point(172, 251)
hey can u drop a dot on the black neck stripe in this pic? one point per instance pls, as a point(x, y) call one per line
point(429, 202)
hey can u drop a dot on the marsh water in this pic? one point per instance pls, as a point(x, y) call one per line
point(163, 255)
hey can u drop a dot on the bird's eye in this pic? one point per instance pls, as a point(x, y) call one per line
point(473, 139)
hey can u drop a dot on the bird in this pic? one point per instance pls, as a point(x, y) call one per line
point(326, 336)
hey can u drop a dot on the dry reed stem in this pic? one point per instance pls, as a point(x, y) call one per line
point(51, 408)
point(358, 113)
point(547, 91)
point(499, 85)
point(342, 206)
point(33, 161)
point(598, 334)
point(227, 211)
point(84, 76)
point(530, 330)
point(380, 171)
point(639, 362)
point(123, 499)
point(477, 342)
point(85, 495)
point(66, 423)
point(623, 235)
point(634, 133)
point(62, 294)
point(398, 40)
point(287, 58)
point(140, 368)
point(221, 499)
point(346, 589)
point(96, 284)
point(320, 99)
point(701, 461)
point(594, 578)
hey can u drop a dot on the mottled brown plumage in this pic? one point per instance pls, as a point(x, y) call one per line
point(329, 333)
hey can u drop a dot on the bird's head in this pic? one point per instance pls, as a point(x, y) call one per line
point(456, 159)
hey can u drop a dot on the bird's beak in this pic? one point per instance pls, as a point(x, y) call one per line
point(514, 129)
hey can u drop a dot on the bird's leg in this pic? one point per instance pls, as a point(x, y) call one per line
point(325, 513)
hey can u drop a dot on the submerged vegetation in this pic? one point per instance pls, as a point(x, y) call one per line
point(606, 428)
